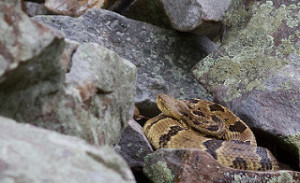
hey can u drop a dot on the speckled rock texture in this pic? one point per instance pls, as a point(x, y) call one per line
point(200, 16)
point(134, 146)
point(163, 58)
point(104, 83)
point(94, 101)
point(255, 71)
point(72, 7)
point(192, 165)
point(33, 155)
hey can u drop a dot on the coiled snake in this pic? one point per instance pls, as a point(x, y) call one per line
point(208, 126)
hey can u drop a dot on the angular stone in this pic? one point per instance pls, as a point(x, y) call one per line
point(95, 102)
point(163, 57)
point(255, 72)
point(134, 145)
point(105, 84)
point(199, 16)
point(192, 165)
point(31, 154)
point(72, 7)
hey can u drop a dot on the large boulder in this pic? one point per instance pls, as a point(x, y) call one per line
point(255, 71)
point(31, 154)
point(96, 99)
point(163, 57)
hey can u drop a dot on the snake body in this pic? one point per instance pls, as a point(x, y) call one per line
point(208, 126)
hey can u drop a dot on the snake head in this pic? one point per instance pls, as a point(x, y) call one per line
point(171, 107)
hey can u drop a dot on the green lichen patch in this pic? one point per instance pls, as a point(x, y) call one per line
point(159, 172)
point(283, 177)
point(253, 50)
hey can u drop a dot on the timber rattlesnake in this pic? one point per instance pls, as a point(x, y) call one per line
point(208, 126)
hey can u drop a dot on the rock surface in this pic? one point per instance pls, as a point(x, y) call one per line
point(255, 72)
point(199, 16)
point(95, 101)
point(192, 165)
point(163, 58)
point(30, 154)
point(72, 7)
point(134, 145)
point(105, 85)
point(33, 9)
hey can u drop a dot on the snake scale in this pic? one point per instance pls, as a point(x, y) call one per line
point(208, 126)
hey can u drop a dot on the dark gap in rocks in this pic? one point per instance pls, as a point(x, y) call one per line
point(147, 109)
point(121, 6)
point(139, 175)
point(286, 155)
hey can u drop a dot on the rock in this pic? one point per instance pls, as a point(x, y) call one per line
point(33, 9)
point(199, 16)
point(95, 101)
point(134, 145)
point(66, 58)
point(72, 7)
point(31, 154)
point(163, 57)
point(105, 84)
point(29, 60)
point(192, 165)
point(255, 70)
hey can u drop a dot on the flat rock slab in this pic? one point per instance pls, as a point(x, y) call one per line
point(31, 154)
point(163, 57)
point(255, 72)
point(192, 165)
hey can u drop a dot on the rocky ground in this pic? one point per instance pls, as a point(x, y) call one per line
point(71, 72)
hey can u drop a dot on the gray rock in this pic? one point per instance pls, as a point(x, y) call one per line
point(32, 155)
point(29, 63)
point(134, 145)
point(96, 100)
point(33, 9)
point(255, 72)
point(163, 57)
point(194, 165)
point(200, 16)
point(105, 84)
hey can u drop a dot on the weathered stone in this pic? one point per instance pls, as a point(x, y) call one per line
point(105, 84)
point(30, 154)
point(199, 16)
point(72, 7)
point(163, 57)
point(192, 165)
point(29, 62)
point(255, 72)
point(97, 98)
point(33, 9)
point(66, 58)
point(133, 145)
